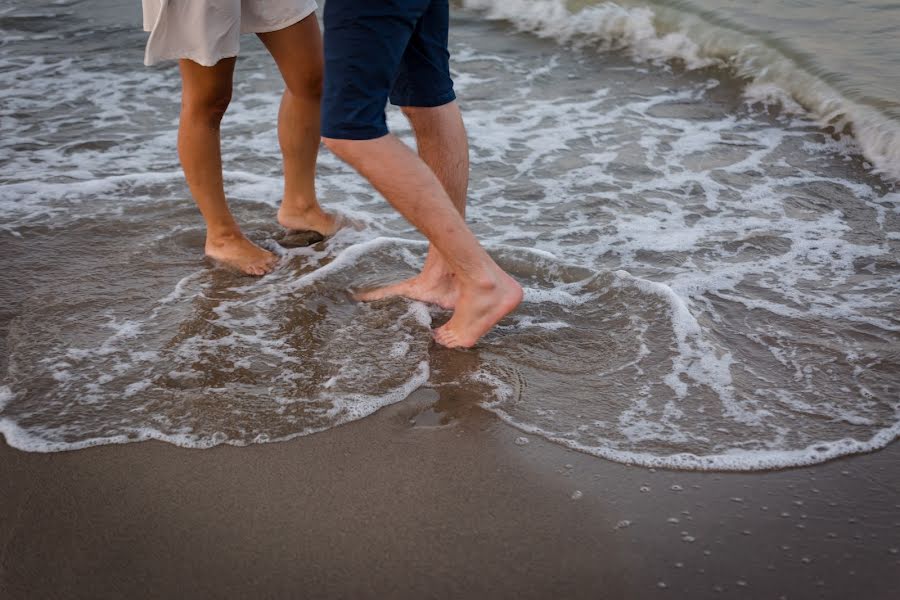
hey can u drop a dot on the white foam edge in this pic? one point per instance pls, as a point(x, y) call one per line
point(744, 460)
point(364, 406)
point(683, 322)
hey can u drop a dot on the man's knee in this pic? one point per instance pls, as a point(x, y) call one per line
point(352, 151)
point(341, 148)
point(419, 113)
point(208, 107)
point(431, 120)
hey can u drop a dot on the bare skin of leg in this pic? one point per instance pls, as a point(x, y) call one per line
point(206, 92)
point(442, 142)
point(486, 293)
point(297, 51)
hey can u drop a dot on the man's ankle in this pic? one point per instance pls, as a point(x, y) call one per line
point(223, 234)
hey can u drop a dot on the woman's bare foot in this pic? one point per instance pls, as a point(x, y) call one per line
point(478, 308)
point(309, 219)
point(237, 252)
point(424, 287)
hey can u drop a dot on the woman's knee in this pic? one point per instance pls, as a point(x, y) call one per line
point(209, 105)
point(306, 85)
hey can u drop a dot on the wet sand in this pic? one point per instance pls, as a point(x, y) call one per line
point(437, 500)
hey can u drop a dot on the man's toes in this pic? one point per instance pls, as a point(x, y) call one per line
point(445, 337)
point(260, 269)
point(369, 296)
point(269, 264)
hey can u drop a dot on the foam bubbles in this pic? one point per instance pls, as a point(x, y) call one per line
point(5, 396)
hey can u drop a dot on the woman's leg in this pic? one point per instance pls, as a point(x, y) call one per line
point(298, 52)
point(206, 92)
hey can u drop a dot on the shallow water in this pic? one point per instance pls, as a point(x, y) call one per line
point(832, 60)
point(850, 44)
point(709, 283)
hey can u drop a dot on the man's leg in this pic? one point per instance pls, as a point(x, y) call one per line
point(206, 92)
point(485, 293)
point(441, 139)
point(298, 52)
point(399, 49)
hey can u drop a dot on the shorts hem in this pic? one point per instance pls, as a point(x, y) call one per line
point(203, 62)
point(338, 134)
point(412, 101)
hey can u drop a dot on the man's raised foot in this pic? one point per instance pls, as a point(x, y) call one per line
point(479, 307)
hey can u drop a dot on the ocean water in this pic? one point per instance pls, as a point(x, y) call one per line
point(699, 198)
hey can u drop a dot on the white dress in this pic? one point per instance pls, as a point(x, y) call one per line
point(206, 31)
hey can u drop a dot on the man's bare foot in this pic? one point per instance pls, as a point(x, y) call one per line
point(424, 287)
point(478, 308)
point(313, 219)
point(239, 253)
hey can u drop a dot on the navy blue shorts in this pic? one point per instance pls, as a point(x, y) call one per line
point(381, 49)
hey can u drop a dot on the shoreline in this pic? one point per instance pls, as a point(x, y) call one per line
point(415, 502)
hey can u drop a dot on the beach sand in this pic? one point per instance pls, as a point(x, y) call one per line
point(425, 500)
